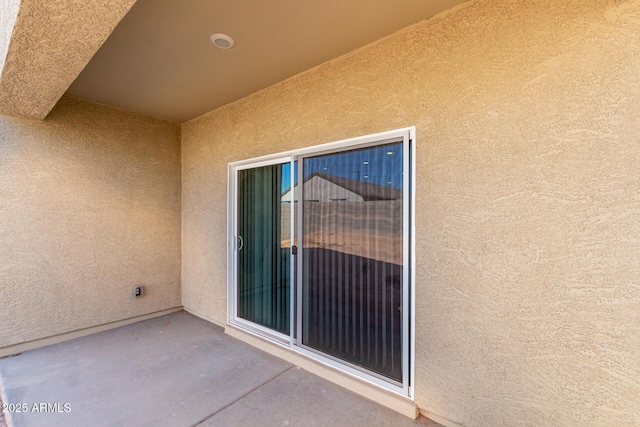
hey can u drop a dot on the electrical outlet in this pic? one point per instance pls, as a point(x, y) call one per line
point(138, 291)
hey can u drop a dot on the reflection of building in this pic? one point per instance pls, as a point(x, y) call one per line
point(366, 222)
point(323, 187)
point(353, 223)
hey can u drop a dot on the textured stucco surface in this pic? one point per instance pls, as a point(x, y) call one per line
point(51, 42)
point(89, 208)
point(528, 211)
point(8, 16)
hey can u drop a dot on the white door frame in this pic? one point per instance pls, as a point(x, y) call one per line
point(407, 136)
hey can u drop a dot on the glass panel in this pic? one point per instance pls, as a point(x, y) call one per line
point(352, 257)
point(263, 247)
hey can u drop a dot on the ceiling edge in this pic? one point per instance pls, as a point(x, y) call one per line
point(49, 45)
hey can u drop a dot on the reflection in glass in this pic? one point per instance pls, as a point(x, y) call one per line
point(352, 255)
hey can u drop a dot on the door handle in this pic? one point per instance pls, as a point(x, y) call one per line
point(240, 243)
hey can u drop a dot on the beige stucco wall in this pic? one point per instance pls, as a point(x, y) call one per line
point(528, 206)
point(89, 208)
point(44, 45)
point(8, 16)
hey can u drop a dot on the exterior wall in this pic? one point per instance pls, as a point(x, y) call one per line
point(89, 208)
point(528, 214)
point(46, 45)
point(7, 19)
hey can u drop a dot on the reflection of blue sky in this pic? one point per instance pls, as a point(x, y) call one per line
point(380, 165)
point(286, 175)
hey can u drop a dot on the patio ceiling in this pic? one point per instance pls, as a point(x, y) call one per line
point(159, 60)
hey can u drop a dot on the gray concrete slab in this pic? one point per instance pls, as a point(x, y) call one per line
point(176, 370)
point(171, 371)
point(299, 398)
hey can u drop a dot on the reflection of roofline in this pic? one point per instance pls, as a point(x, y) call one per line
point(367, 190)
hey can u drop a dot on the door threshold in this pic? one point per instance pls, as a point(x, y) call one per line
point(387, 398)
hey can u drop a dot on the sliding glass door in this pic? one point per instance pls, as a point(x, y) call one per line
point(352, 257)
point(320, 253)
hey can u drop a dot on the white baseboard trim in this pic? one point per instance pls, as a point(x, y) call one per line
point(42, 342)
point(392, 401)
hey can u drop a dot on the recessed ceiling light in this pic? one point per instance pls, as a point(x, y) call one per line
point(222, 41)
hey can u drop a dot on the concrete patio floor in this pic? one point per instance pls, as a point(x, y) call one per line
point(175, 370)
